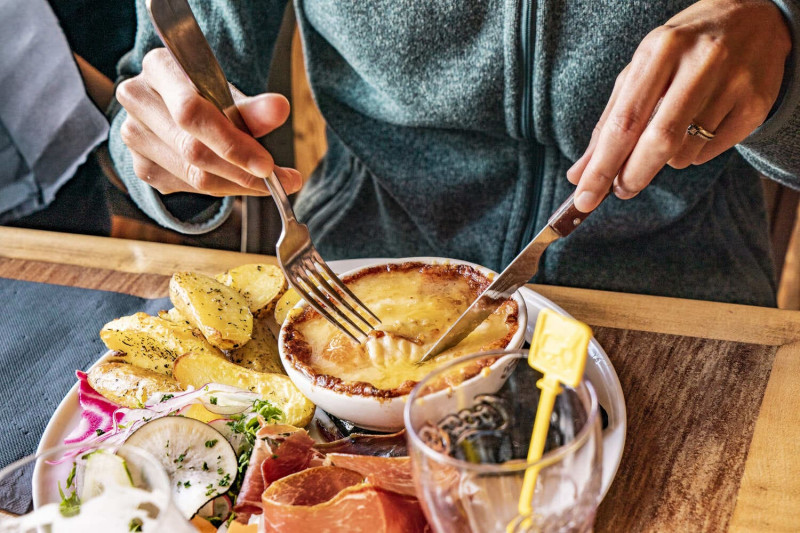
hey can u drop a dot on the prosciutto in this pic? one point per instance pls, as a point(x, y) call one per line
point(391, 445)
point(388, 473)
point(279, 450)
point(335, 499)
point(298, 488)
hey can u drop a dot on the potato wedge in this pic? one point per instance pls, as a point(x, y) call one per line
point(173, 315)
point(153, 343)
point(198, 369)
point(286, 302)
point(260, 284)
point(218, 311)
point(128, 385)
point(261, 353)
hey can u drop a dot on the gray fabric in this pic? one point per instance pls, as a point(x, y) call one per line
point(427, 155)
point(773, 147)
point(48, 124)
point(48, 333)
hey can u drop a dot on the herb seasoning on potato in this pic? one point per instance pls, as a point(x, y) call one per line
point(221, 313)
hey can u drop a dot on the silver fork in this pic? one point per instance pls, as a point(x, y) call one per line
point(304, 268)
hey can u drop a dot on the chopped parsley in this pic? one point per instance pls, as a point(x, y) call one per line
point(211, 443)
point(212, 400)
point(70, 505)
point(247, 425)
point(135, 525)
point(166, 397)
point(225, 481)
point(71, 476)
point(210, 489)
point(99, 432)
point(205, 466)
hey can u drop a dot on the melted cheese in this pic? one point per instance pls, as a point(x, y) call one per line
point(415, 309)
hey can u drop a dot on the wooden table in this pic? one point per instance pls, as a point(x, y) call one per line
point(712, 390)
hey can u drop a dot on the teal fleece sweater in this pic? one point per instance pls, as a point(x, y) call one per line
point(451, 126)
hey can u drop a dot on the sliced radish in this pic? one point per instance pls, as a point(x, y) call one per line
point(199, 461)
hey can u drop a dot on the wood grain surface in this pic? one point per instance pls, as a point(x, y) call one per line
point(692, 407)
point(712, 390)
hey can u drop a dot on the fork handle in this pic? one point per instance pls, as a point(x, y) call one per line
point(280, 197)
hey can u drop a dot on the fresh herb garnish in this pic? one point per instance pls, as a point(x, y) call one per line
point(211, 443)
point(71, 476)
point(247, 425)
point(70, 505)
point(135, 525)
point(212, 400)
point(99, 431)
point(166, 397)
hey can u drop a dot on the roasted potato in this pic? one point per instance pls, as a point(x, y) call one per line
point(173, 315)
point(261, 285)
point(218, 311)
point(261, 353)
point(287, 301)
point(128, 385)
point(198, 369)
point(153, 343)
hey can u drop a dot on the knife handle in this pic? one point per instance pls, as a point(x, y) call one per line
point(567, 217)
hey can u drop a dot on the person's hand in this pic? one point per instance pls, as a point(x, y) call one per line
point(718, 64)
point(180, 142)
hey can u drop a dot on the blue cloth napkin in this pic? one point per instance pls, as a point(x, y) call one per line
point(47, 332)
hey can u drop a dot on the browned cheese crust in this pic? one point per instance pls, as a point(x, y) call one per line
point(298, 352)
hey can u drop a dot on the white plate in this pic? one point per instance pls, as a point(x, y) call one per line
point(599, 371)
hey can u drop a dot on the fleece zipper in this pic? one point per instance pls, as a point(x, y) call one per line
point(527, 45)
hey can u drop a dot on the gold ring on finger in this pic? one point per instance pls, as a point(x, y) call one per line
point(696, 130)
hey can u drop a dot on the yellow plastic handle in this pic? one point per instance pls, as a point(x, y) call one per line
point(558, 351)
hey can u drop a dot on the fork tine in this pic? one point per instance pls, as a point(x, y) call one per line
point(321, 299)
point(334, 294)
point(321, 310)
point(330, 297)
point(344, 288)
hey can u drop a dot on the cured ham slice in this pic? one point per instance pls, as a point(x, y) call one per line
point(392, 445)
point(389, 473)
point(279, 450)
point(334, 499)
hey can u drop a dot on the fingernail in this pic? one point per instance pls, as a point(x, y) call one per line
point(570, 171)
point(623, 194)
point(260, 166)
point(296, 180)
point(586, 201)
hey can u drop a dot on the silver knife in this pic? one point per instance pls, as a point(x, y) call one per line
point(561, 223)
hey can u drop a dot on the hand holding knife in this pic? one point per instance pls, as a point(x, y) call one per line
point(561, 223)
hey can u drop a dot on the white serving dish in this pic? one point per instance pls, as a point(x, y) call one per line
point(386, 414)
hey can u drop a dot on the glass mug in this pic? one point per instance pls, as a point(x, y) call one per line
point(126, 490)
point(468, 442)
